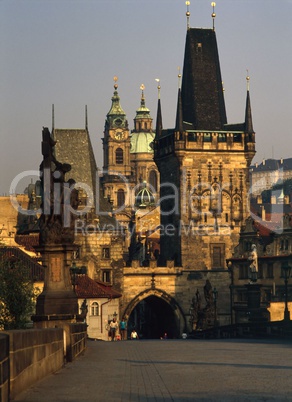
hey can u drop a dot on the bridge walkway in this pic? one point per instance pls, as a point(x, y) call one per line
point(172, 370)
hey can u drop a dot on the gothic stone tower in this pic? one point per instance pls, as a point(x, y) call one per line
point(203, 164)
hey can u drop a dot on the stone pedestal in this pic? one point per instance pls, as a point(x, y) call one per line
point(58, 300)
point(253, 295)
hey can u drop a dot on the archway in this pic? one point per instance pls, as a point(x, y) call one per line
point(154, 314)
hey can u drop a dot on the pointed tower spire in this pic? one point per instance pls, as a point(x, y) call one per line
point(213, 15)
point(188, 14)
point(53, 117)
point(142, 120)
point(179, 112)
point(86, 119)
point(248, 116)
point(116, 115)
point(159, 115)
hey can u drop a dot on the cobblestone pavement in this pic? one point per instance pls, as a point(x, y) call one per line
point(172, 370)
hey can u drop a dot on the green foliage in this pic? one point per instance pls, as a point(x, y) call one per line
point(17, 295)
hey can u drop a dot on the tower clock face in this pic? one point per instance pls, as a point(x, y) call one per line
point(119, 135)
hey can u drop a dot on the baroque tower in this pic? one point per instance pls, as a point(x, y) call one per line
point(117, 179)
point(142, 141)
point(203, 164)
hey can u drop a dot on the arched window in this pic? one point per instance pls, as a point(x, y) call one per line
point(120, 197)
point(119, 156)
point(153, 180)
point(94, 308)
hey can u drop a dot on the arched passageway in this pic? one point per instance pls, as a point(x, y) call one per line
point(152, 318)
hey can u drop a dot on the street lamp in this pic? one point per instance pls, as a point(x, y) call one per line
point(76, 271)
point(215, 297)
point(286, 269)
point(231, 274)
point(191, 318)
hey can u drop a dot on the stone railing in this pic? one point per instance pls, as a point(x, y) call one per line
point(27, 356)
point(4, 367)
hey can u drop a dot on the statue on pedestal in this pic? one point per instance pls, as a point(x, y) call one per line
point(253, 266)
point(59, 197)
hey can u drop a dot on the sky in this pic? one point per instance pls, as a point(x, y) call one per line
point(66, 53)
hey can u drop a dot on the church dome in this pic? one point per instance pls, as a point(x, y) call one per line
point(142, 142)
point(142, 136)
point(144, 198)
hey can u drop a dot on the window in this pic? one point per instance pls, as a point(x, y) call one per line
point(247, 245)
point(192, 137)
point(119, 156)
point(120, 197)
point(221, 137)
point(207, 137)
point(243, 272)
point(270, 271)
point(153, 179)
point(105, 252)
point(284, 245)
point(106, 276)
point(236, 137)
point(199, 47)
point(260, 272)
point(217, 255)
point(94, 308)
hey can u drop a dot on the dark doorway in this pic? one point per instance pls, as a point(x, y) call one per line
point(153, 318)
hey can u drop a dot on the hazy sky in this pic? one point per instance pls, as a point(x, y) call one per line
point(66, 53)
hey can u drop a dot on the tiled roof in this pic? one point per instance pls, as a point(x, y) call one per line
point(87, 288)
point(272, 164)
point(202, 92)
point(37, 271)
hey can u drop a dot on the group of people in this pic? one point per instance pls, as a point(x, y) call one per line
point(119, 331)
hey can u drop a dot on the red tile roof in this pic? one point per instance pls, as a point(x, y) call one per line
point(87, 288)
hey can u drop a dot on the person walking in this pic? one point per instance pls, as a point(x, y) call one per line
point(113, 328)
point(123, 329)
point(134, 335)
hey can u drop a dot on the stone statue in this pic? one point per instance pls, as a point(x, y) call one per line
point(59, 198)
point(204, 316)
point(253, 266)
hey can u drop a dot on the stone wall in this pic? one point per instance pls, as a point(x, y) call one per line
point(34, 354)
point(4, 367)
point(276, 310)
point(77, 344)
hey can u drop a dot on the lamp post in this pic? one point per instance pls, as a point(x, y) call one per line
point(191, 318)
point(215, 297)
point(286, 269)
point(231, 274)
point(76, 271)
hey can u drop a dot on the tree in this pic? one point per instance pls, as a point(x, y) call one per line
point(17, 294)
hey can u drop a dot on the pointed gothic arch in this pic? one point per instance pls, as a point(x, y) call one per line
point(163, 296)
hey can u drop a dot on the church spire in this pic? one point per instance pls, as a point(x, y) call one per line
point(248, 116)
point(86, 119)
point(159, 115)
point(116, 116)
point(179, 112)
point(53, 117)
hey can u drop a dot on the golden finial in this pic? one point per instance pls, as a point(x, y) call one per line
point(213, 4)
point(142, 87)
point(179, 77)
point(247, 80)
point(115, 80)
point(188, 14)
point(158, 86)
